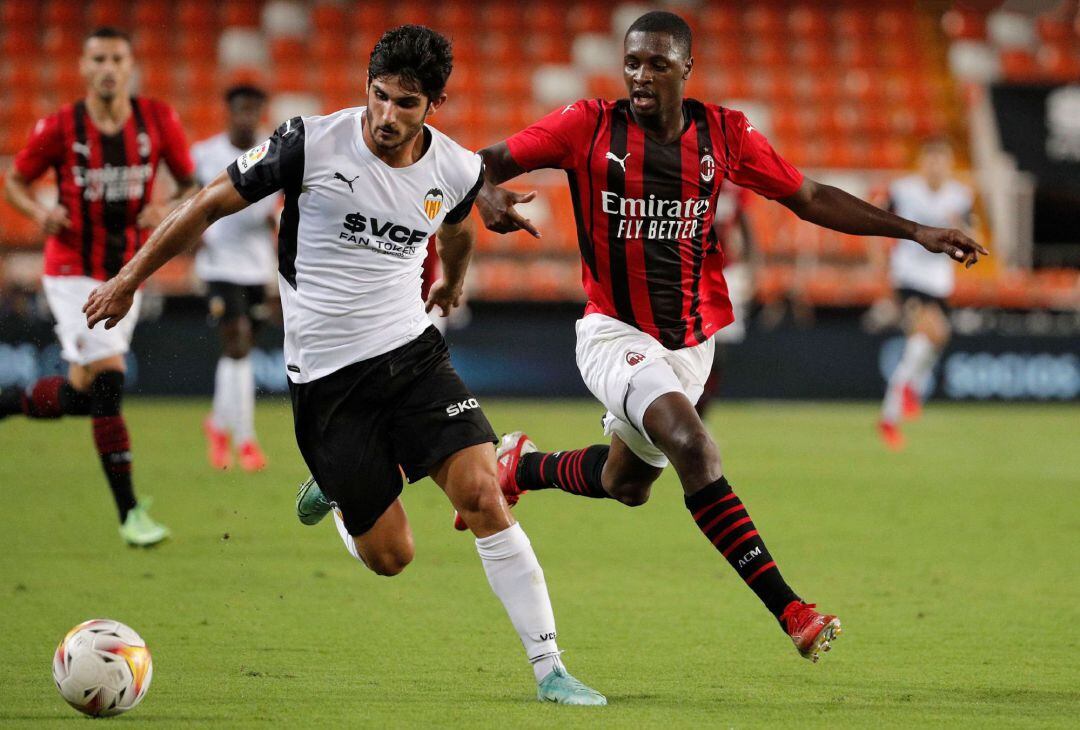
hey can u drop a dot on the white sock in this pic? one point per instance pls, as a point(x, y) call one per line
point(918, 356)
point(517, 579)
point(222, 415)
point(244, 401)
point(346, 538)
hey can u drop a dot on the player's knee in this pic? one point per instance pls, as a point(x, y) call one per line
point(632, 494)
point(693, 448)
point(478, 493)
point(392, 561)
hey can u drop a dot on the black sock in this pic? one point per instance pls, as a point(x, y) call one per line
point(49, 397)
point(577, 472)
point(725, 522)
point(111, 437)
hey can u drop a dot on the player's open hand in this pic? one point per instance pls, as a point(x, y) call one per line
point(108, 303)
point(496, 206)
point(55, 220)
point(443, 295)
point(956, 244)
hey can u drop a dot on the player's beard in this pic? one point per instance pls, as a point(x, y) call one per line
point(408, 136)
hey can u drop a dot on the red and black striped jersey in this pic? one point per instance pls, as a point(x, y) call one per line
point(104, 181)
point(645, 210)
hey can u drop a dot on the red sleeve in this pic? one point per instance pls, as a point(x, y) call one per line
point(174, 144)
point(555, 140)
point(755, 165)
point(43, 150)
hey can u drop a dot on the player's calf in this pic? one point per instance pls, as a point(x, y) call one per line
point(387, 548)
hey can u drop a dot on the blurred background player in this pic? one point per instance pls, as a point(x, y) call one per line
point(922, 281)
point(105, 149)
point(236, 261)
point(734, 241)
point(652, 165)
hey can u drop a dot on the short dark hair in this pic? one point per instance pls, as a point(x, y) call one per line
point(244, 91)
point(108, 32)
point(661, 21)
point(419, 56)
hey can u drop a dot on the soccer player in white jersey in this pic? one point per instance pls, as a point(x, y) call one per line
point(923, 281)
point(371, 381)
point(236, 261)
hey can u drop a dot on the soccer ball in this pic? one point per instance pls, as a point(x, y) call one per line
point(102, 668)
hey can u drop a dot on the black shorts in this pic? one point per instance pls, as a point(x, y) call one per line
point(906, 295)
point(406, 408)
point(226, 300)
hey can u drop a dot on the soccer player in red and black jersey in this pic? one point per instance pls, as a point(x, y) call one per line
point(105, 150)
point(644, 174)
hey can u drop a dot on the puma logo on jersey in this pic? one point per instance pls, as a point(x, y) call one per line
point(288, 128)
point(568, 108)
point(347, 181)
point(622, 162)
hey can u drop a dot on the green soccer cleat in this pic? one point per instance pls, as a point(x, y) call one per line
point(140, 529)
point(562, 688)
point(311, 505)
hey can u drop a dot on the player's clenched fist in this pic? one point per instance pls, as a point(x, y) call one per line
point(108, 303)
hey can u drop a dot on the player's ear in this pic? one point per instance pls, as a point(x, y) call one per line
point(434, 104)
point(687, 68)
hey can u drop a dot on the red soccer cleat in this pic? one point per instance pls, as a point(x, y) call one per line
point(812, 632)
point(891, 436)
point(507, 456)
point(218, 448)
point(911, 403)
point(252, 457)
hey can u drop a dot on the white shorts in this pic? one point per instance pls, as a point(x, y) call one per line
point(66, 296)
point(627, 370)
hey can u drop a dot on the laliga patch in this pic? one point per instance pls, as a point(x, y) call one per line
point(252, 157)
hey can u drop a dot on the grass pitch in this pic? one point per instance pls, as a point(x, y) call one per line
point(953, 567)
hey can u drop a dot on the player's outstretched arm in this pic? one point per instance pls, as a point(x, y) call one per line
point(831, 207)
point(454, 244)
point(110, 301)
point(496, 205)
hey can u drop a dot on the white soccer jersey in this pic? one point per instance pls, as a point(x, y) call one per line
point(238, 248)
point(353, 234)
point(912, 266)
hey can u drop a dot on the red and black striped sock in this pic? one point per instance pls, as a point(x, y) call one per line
point(724, 520)
point(576, 472)
point(111, 438)
point(50, 397)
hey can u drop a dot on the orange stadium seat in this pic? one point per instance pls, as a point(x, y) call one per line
point(589, 18)
point(808, 21)
point(852, 21)
point(107, 12)
point(151, 14)
point(961, 23)
point(1060, 61)
point(203, 44)
point(764, 21)
point(62, 12)
point(241, 13)
point(329, 18)
point(197, 16)
point(152, 42)
point(16, 45)
point(18, 14)
point(547, 19)
point(412, 11)
point(719, 19)
point(63, 41)
point(1019, 65)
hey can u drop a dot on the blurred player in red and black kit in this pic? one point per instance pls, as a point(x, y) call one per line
point(105, 150)
point(644, 174)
